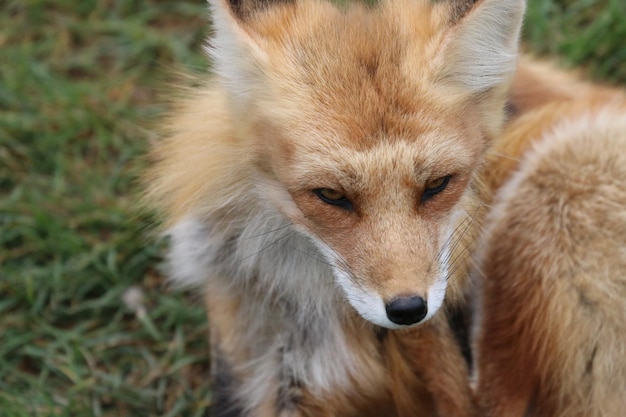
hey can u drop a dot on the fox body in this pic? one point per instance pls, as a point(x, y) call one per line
point(322, 188)
point(327, 187)
point(550, 332)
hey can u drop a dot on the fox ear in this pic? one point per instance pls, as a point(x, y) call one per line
point(485, 41)
point(237, 51)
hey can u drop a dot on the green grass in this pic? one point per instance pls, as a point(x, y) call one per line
point(78, 84)
point(584, 33)
point(79, 92)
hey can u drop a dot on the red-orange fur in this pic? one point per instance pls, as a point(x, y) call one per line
point(551, 335)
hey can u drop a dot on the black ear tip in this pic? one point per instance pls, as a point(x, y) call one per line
point(460, 8)
point(242, 9)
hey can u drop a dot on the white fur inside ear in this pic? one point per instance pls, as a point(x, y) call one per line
point(237, 57)
point(484, 50)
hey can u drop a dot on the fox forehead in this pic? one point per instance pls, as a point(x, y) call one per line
point(361, 71)
point(353, 98)
point(352, 150)
point(388, 163)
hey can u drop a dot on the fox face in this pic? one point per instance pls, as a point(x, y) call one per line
point(381, 204)
point(363, 127)
point(384, 219)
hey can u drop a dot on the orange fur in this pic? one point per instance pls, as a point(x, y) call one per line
point(550, 337)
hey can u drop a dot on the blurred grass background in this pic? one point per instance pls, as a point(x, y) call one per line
point(87, 326)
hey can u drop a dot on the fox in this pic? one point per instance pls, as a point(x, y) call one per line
point(321, 189)
point(549, 275)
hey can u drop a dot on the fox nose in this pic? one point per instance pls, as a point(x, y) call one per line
point(406, 310)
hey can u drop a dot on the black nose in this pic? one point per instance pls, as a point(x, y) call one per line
point(406, 310)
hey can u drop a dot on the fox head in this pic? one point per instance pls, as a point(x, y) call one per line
point(365, 125)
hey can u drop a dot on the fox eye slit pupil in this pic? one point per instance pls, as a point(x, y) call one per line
point(333, 197)
point(434, 187)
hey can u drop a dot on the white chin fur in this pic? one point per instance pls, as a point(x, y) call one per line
point(372, 308)
point(436, 294)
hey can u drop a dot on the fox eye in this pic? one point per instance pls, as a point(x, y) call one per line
point(434, 187)
point(333, 197)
